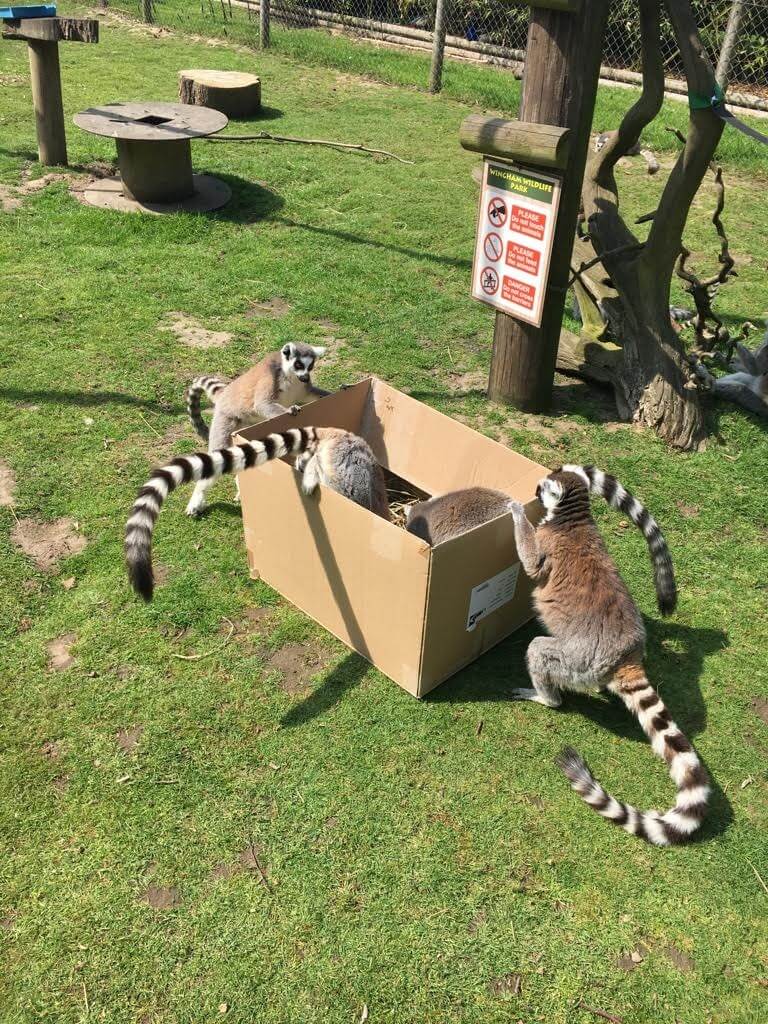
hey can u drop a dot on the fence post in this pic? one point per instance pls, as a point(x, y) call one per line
point(562, 68)
point(264, 24)
point(146, 11)
point(438, 46)
point(729, 42)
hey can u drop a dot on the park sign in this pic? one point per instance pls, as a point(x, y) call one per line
point(515, 228)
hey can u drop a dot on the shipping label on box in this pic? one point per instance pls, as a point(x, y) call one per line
point(492, 594)
point(515, 230)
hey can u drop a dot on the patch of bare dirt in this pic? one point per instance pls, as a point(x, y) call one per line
point(274, 307)
point(61, 784)
point(190, 332)
point(52, 749)
point(297, 664)
point(124, 672)
point(7, 922)
point(128, 739)
point(223, 871)
point(473, 380)
point(59, 657)
point(33, 185)
point(760, 707)
point(629, 961)
point(161, 897)
point(329, 325)
point(7, 484)
point(478, 920)
point(252, 859)
point(506, 985)
point(689, 511)
point(679, 959)
point(357, 82)
point(47, 543)
point(14, 79)
point(9, 201)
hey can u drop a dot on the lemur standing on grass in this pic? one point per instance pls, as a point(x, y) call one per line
point(324, 455)
point(596, 635)
point(280, 383)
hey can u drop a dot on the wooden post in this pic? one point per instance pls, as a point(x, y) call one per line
point(42, 36)
point(264, 24)
point(146, 12)
point(49, 107)
point(562, 67)
point(438, 46)
point(729, 43)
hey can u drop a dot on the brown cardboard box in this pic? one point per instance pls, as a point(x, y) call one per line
point(418, 613)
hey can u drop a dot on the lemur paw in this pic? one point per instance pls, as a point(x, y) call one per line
point(196, 506)
point(294, 410)
point(517, 509)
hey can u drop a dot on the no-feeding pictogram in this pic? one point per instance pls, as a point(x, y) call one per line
point(493, 246)
point(497, 212)
point(489, 281)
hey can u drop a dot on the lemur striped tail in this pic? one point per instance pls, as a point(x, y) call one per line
point(608, 487)
point(210, 386)
point(685, 768)
point(183, 470)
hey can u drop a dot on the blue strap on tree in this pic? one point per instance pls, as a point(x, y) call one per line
point(716, 103)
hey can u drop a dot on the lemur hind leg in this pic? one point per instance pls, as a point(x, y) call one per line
point(553, 669)
point(223, 426)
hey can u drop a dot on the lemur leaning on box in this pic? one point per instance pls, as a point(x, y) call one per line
point(596, 635)
point(324, 455)
point(280, 383)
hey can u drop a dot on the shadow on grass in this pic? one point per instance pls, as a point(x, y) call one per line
point(347, 674)
point(251, 201)
point(88, 398)
point(347, 236)
point(674, 662)
point(574, 398)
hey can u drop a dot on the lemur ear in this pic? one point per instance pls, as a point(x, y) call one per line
point(287, 351)
point(319, 350)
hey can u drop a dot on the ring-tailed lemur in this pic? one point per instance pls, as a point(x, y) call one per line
point(279, 383)
point(597, 637)
point(325, 455)
point(650, 160)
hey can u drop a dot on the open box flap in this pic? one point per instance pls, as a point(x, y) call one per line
point(438, 454)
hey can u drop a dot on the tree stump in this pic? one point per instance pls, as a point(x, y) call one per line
point(234, 93)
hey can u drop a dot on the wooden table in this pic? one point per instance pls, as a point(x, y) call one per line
point(153, 145)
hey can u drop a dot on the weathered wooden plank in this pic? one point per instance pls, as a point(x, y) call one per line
point(52, 30)
point(543, 145)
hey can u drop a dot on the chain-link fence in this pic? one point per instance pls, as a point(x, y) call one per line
point(487, 36)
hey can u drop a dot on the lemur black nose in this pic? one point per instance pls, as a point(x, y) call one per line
point(303, 377)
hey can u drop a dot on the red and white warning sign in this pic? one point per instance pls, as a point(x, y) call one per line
point(515, 228)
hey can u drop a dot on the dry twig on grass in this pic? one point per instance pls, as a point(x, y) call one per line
point(269, 137)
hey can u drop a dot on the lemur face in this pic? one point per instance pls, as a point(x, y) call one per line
point(549, 492)
point(299, 360)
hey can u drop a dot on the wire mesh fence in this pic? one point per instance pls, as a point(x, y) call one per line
point(488, 36)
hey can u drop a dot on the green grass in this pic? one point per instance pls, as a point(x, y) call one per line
point(410, 861)
point(490, 88)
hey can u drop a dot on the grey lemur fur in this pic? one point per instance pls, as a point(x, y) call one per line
point(325, 455)
point(596, 635)
point(279, 383)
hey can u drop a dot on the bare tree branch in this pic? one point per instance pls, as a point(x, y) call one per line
point(627, 136)
point(665, 237)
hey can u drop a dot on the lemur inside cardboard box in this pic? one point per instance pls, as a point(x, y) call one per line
point(418, 613)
